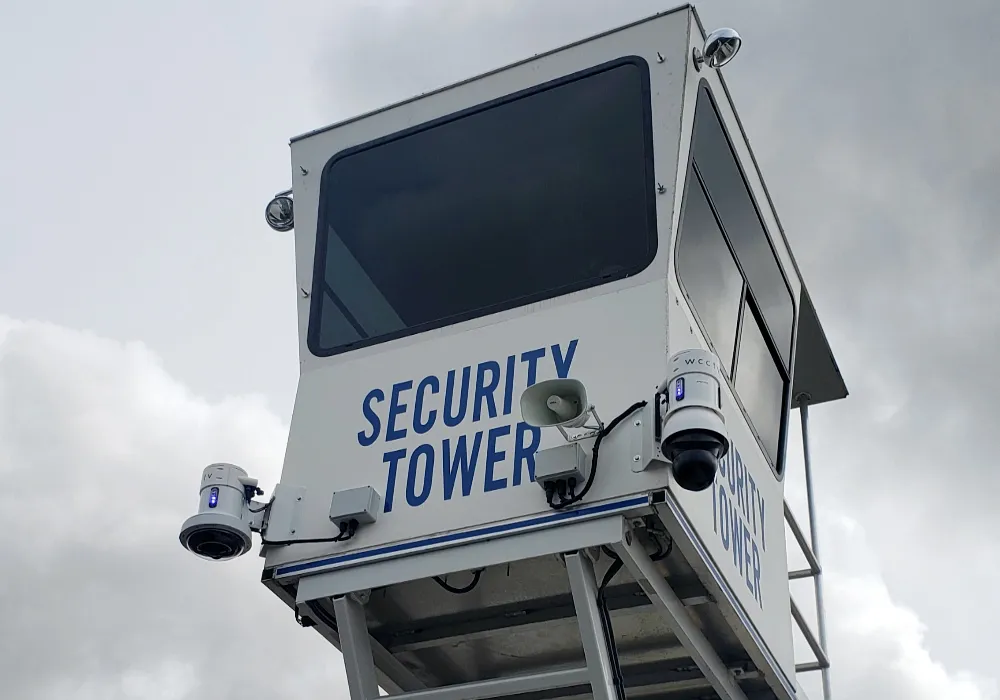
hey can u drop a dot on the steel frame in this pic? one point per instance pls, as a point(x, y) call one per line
point(594, 679)
point(810, 549)
point(370, 663)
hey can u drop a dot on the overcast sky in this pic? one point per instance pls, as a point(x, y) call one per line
point(147, 319)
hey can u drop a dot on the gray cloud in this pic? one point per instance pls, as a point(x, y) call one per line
point(136, 186)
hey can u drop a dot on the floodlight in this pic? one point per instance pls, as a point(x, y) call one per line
point(720, 48)
point(280, 213)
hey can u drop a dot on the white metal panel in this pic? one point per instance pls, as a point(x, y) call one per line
point(610, 342)
point(740, 521)
point(747, 498)
point(615, 338)
point(612, 337)
point(660, 41)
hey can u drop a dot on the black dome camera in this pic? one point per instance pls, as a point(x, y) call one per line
point(694, 429)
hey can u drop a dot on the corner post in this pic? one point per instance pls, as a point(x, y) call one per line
point(583, 584)
point(803, 400)
point(356, 648)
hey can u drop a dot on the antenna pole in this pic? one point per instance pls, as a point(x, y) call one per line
point(818, 580)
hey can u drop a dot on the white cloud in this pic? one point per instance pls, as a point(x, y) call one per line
point(100, 457)
point(100, 452)
point(879, 648)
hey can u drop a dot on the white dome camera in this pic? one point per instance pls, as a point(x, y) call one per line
point(221, 529)
point(694, 436)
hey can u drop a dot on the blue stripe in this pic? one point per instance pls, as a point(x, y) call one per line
point(737, 606)
point(502, 529)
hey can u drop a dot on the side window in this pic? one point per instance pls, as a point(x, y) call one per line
point(716, 162)
point(711, 277)
point(760, 385)
point(733, 280)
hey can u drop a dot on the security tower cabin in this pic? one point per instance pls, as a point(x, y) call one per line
point(551, 333)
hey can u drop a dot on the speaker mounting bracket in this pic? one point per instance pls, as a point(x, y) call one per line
point(588, 431)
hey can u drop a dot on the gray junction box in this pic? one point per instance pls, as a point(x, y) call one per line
point(590, 223)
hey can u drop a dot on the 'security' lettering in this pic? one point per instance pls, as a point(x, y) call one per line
point(455, 465)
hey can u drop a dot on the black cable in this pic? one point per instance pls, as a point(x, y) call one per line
point(616, 566)
point(660, 553)
point(250, 491)
point(605, 614)
point(348, 528)
point(476, 575)
point(323, 615)
point(304, 621)
point(550, 492)
point(593, 462)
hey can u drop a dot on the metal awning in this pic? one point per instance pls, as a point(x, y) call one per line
point(816, 372)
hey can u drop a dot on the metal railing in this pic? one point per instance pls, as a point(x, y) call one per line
point(810, 549)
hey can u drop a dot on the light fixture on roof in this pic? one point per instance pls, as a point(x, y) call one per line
point(280, 212)
point(720, 48)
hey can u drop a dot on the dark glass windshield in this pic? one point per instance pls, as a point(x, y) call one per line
point(523, 199)
point(760, 385)
point(710, 275)
point(733, 280)
point(713, 155)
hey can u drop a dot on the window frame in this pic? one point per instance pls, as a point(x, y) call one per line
point(748, 302)
point(693, 176)
point(749, 305)
point(321, 288)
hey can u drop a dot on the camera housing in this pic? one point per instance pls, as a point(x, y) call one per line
point(694, 436)
point(221, 529)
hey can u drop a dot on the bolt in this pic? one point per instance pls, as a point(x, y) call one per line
point(299, 498)
point(303, 170)
point(660, 189)
point(659, 57)
point(637, 423)
point(636, 458)
point(293, 530)
point(305, 293)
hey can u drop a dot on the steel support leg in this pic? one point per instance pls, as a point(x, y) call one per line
point(356, 648)
point(583, 584)
point(818, 582)
point(663, 597)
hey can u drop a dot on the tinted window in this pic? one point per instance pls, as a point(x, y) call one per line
point(735, 207)
point(524, 199)
point(708, 272)
point(732, 278)
point(760, 385)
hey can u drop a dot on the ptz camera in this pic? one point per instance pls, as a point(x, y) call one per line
point(694, 436)
point(221, 529)
point(228, 515)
